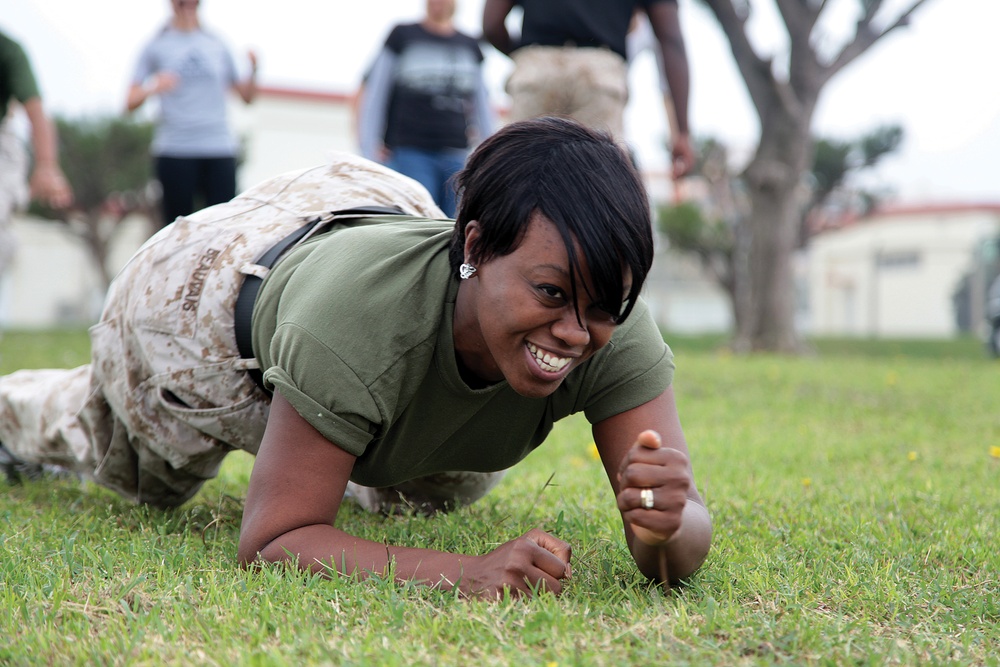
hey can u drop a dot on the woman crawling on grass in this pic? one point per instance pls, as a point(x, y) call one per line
point(406, 360)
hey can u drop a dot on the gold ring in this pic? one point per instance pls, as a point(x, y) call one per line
point(646, 498)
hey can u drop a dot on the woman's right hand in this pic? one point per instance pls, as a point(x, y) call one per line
point(163, 82)
point(531, 563)
point(157, 84)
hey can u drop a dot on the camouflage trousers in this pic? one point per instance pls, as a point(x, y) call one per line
point(167, 395)
point(589, 85)
point(13, 187)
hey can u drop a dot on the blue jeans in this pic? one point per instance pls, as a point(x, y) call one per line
point(432, 169)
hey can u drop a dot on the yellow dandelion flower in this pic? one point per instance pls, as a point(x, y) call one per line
point(807, 482)
point(552, 664)
point(891, 378)
point(995, 452)
point(592, 450)
point(912, 456)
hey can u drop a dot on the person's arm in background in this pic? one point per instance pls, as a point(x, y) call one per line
point(140, 91)
point(147, 81)
point(48, 183)
point(494, 27)
point(356, 101)
point(641, 38)
point(374, 107)
point(247, 88)
point(664, 18)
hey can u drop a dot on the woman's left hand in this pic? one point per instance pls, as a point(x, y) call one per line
point(653, 484)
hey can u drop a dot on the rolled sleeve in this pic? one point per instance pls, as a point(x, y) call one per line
point(323, 389)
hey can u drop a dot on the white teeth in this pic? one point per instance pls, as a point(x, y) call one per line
point(546, 361)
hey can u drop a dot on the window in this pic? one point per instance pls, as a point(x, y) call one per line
point(897, 259)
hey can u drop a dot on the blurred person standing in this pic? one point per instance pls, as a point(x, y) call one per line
point(191, 71)
point(571, 60)
point(47, 183)
point(424, 103)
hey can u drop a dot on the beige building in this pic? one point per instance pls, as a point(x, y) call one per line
point(895, 272)
point(287, 129)
point(52, 280)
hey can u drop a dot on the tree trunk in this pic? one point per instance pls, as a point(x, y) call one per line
point(767, 298)
point(95, 238)
point(785, 106)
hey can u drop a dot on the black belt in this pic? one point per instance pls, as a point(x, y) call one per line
point(243, 313)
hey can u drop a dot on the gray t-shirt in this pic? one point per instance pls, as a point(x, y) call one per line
point(354, 328)
point(193, 120)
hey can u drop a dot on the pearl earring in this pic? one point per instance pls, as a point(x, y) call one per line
point(466, 271)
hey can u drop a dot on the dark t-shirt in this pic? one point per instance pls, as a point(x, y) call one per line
point(584, 23)
point(434, 88)
point(16, 79)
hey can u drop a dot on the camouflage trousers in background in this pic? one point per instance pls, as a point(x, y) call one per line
point(13, 187)
point(588, 84)
point(166, 395)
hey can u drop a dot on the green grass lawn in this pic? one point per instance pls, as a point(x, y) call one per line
point(855, 495)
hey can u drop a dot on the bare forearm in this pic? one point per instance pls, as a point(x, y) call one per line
point(675, 68)
point(247, 90)
point(43, 133)
point(494, 29)
point(501, 41)
point(138, 94)
point(48, 183)
point(325, 549)
point(666, 25)
point(685, 551)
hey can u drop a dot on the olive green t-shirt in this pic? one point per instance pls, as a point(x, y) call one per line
point(17, 81)
point(354, 329)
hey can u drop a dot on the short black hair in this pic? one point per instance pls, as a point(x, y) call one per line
point(578, 178)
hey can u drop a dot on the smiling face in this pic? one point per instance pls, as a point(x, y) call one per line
point(516, 319)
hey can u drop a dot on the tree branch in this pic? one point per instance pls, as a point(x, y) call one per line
point(755, 70)
point(871, 8)
point(803, 62)
point(796, 16)
point(866, 36)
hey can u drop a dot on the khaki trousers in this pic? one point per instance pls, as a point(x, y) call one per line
point(13, 187)
point(589, 85)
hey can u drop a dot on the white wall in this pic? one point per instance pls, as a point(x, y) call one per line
point(895, 274)
point(288, 130)
point(682, 298)
point(52, 280)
